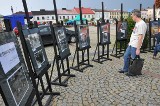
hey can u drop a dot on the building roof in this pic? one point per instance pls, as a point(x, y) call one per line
point(144, 10)
point(99, 10)
point(23, 13)
point(43, 12)
point(149, 7)
point(117, 11)
point(84, 10)
point(65, 11)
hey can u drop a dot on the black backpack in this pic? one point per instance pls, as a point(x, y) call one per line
point(136, 66)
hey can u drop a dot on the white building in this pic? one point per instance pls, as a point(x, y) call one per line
point(158, 13)
point(44, 16)
point(144, 13)
point(66, 14)
point(98, 14)
point(150, 13)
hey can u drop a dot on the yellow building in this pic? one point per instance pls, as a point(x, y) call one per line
point(117, 14)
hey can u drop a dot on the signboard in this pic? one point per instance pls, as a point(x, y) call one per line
point(122, 30)
point(14, 79)
point(159, 27)
point(83, 34)
point(63, 47)
point(154, 28)
point(105, 33)
point(8, 54)
point(36, 49)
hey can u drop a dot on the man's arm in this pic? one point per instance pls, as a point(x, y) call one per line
point(140, 38)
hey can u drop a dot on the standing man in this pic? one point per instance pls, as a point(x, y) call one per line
point(136, 40)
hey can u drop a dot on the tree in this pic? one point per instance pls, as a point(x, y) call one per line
point(157, 3)
point(65, 20)
point(92, 19)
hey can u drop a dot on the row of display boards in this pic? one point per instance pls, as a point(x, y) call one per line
point(23, 62)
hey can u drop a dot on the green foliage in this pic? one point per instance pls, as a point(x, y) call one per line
point(100, 19)
point(65, 20)
point(92, 19)
point(131, 25)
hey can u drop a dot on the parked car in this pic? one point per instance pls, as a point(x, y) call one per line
point(71, 37)
point(45, 33)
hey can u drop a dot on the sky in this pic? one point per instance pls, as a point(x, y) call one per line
point(36, 5)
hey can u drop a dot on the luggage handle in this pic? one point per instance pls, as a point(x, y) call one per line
point(137, 57)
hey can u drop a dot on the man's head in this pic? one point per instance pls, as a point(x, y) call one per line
point(136, 15)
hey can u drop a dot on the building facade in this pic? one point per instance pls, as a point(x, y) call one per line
point(87, 13)
point(44, 16)
point(98, 14)
point(117, 14)
point(150, 13)
point(66, 14)
point(158, 13)
point(144, 14)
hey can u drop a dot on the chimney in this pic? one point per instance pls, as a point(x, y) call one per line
point(42, 9)
point(64, 9)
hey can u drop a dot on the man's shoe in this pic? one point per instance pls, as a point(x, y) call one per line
point(122, 71)
point(129, 74)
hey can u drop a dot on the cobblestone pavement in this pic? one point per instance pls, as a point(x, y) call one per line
point(102, 85)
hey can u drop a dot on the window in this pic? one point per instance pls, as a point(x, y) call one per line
point(88, 16)
point(44, 29)
point(84, 16)
point(59, 17)
point(42, 18)
point(53, 17)
point(63, 17)
point(37, 18)
point(72, 17)
point(68, 17)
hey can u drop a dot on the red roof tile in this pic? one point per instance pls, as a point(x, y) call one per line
point(67, 12)
point(84, 10)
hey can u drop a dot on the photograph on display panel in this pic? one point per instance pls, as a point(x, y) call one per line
point(18, 85)
point(62, 41)
point(105, 33)
point(84, 40)
point(39, 57)
point(154, 28)
point(36, 49)
point(122, 30)
point(34, 41)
